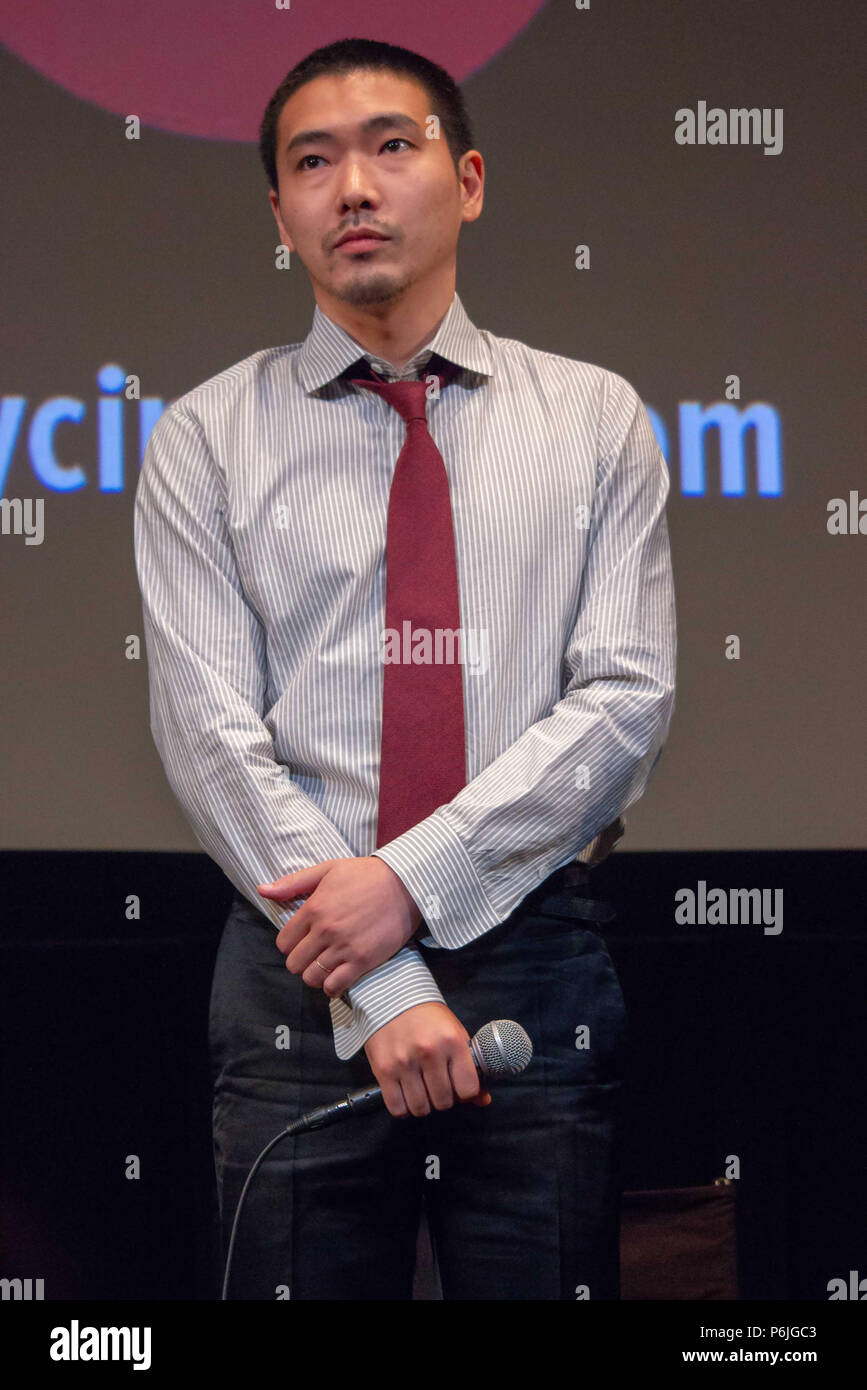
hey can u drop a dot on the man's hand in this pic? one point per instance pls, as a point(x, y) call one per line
point(357, 915)
point(421, 1059)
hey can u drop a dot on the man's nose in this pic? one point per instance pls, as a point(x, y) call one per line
point(357, 187)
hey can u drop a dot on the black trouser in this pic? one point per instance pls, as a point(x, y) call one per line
point(522, 1195)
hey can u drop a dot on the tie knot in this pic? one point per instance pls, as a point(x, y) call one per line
point(409, 398)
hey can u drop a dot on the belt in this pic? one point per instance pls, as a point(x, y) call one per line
point(557, 895)
point(552, 898)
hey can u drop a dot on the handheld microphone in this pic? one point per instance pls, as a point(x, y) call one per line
point(501, 1048)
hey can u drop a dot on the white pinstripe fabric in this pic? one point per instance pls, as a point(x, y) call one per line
point(259, 541)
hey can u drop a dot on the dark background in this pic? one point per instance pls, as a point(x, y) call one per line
point(741, 1044)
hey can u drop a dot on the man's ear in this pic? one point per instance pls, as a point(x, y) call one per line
point(285, 239)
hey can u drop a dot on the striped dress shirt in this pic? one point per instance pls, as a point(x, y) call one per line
point(260, 524)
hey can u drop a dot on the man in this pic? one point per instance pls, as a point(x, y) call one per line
point(427, 815)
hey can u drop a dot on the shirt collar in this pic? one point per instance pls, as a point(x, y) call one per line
point(328, 349)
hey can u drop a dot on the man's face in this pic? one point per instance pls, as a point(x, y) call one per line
point(369, 165)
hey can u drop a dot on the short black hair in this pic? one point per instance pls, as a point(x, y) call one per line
point(350, 55)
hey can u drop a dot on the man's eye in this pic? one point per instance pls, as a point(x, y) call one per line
point(395, 140)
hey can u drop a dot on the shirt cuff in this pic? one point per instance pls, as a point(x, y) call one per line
point(432, 863)
point(379, 996)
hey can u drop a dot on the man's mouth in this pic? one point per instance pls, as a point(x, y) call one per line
point(364, 241)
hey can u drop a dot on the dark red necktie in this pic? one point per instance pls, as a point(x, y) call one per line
point(423, 757)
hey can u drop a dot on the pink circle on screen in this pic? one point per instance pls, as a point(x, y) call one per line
point(207, 67)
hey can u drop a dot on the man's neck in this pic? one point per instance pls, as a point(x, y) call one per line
point(394, 332)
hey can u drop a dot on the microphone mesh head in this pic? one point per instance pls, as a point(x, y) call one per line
point(501, 1048)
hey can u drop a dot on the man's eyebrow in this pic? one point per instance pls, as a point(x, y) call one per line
point(391, 120)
